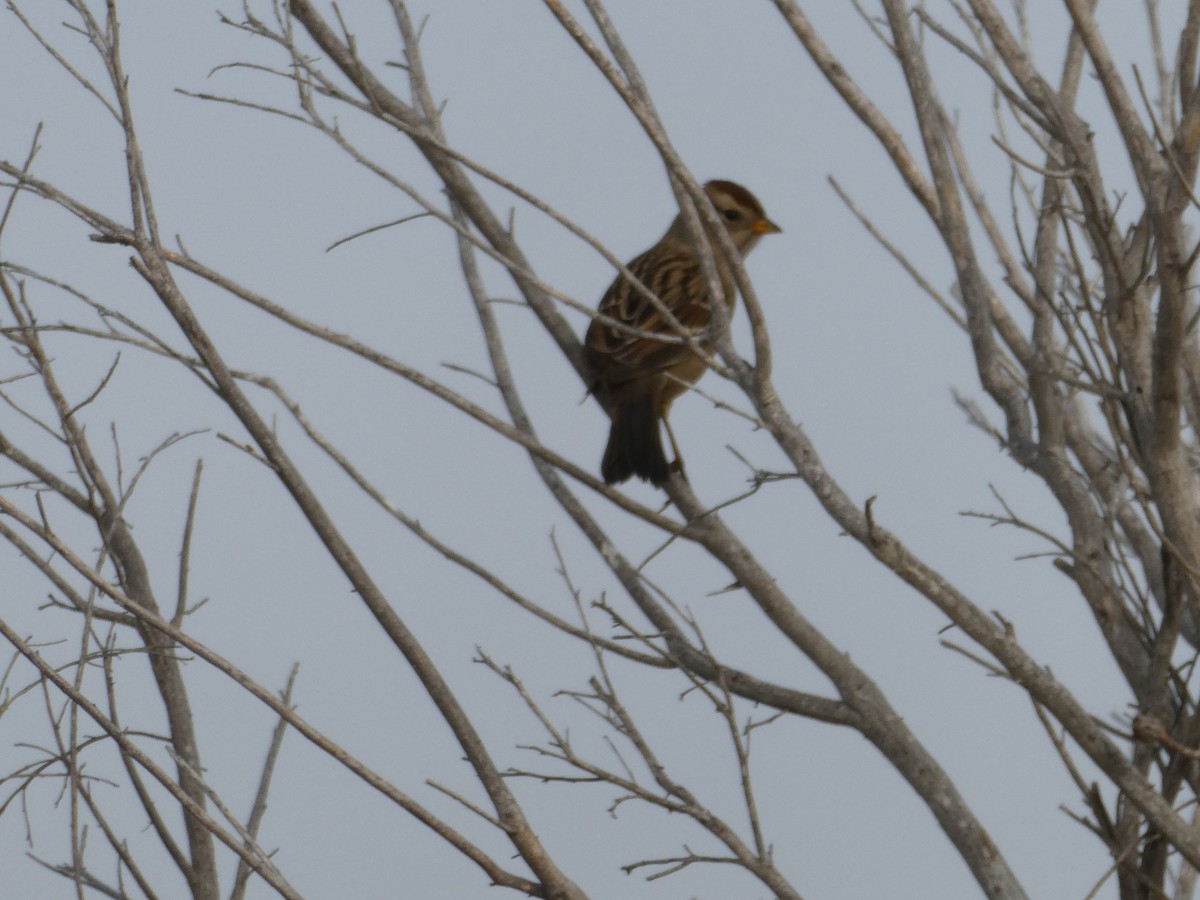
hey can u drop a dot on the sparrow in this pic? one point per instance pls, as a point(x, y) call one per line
point(637, 377)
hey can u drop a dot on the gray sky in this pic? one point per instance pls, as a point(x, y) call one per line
point(864, 360)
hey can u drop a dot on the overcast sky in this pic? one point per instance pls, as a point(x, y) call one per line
point(864, 361)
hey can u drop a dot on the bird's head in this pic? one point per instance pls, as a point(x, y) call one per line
point(741, 212)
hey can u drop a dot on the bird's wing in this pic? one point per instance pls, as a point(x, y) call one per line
point(671, 273)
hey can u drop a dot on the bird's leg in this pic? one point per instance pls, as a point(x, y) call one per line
point(677, 462)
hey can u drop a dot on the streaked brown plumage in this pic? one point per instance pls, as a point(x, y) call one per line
point(636, 376)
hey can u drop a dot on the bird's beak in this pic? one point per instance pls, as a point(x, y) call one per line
point(765, 226)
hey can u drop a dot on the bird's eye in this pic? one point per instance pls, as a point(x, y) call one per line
point(731, 215)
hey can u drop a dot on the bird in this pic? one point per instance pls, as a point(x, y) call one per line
point(636, 376)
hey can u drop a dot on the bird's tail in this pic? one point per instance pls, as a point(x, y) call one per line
point(635, 441)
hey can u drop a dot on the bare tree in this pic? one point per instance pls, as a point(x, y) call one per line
point(1076, 307)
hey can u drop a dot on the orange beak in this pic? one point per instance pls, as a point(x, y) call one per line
point(765, 226)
